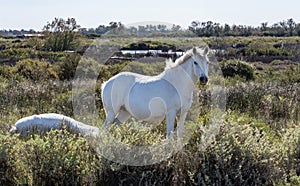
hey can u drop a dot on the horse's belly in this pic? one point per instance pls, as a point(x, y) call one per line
point(151, 102)
point(148, 109)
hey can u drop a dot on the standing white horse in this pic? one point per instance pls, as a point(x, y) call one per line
point(151, 98)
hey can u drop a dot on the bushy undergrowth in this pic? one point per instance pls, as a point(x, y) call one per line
point(25, 98)
point(31, 69)
point(244, 152)
point(277, 103)
point(252, 49)
point(237, 68)
point(13, 55)
point(257, 143)
point(58, 158)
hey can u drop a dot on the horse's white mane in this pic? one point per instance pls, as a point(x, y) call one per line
point(194, 51)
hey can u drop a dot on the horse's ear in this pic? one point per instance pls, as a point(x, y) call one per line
point(194, 50)
point(205, 50)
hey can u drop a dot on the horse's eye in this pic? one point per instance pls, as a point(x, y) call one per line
point(195, 63)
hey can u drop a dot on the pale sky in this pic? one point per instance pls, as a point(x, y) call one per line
point(27, 14)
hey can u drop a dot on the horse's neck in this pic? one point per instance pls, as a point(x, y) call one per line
point(182, 77)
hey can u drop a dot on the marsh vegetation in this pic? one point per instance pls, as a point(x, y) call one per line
point(258, 140)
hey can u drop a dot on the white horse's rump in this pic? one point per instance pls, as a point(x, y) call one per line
point(152, 98)
point(46, 122)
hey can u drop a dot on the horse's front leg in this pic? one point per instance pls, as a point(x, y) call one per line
point(170, 119)
point(180, 124)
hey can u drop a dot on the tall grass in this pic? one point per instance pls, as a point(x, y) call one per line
point(276, 102)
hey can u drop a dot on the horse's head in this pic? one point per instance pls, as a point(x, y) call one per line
point(200, 64)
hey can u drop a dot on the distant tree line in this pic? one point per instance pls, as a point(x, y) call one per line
point(207, 29)
point(112, 28)
point(7, 33)
point(153, 29)
point(119, 28)
point(284, 28)
point(100, 30)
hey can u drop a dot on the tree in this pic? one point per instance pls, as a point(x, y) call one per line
point(264, 26)
point(101, 29)
point(291, 26)
point(161, 28)
point(227, 30)
point(176, 28)
point(297, 29)
point(61, 35)
point(116, 28)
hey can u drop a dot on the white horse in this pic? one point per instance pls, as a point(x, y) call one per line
point(50, 121)
point(152, 98)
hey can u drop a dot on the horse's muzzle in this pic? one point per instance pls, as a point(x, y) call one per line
point(203, 80)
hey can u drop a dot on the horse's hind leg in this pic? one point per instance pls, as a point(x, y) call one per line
point(110, 117)
point(122, 116)
point(180, 124)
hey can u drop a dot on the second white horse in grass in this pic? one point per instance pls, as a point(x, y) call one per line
point(151, 98)
point(50, 121)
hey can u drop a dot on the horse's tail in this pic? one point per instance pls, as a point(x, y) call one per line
point(103, 85)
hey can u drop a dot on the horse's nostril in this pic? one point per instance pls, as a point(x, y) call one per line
point(203, 80)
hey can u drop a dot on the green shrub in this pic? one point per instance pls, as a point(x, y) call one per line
point(58, 42)
point(58, 158)
point(237, 68)
point(245, 151)
point(277, 103)
point(34, 70)
point(67, 68)
point(107, 71)
point(283, 71)
point(26, 97)
point(290, 157)
point(61, 35)
point(88, 68)
point(4, 164)
point(13, 55)
point(5, 71)
point(242, 154)
point(149, 45)
point(62, 103)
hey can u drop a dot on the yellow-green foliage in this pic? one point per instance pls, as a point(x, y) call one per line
point(244, 152)
point(277, 103)
point(27, 98)
point(58, 158)
point(34, 70)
